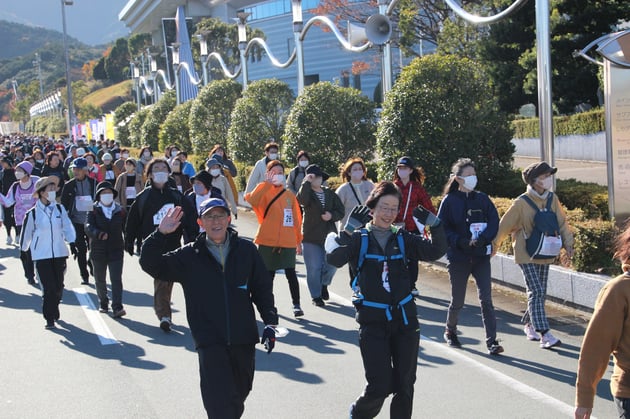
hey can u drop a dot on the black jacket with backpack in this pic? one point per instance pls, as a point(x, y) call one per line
point(113, 248)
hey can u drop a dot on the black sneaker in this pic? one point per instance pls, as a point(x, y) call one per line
point(49, 325)
point(319, 302)
point(165, 324)
point(103, 309)
point(85, 280)
point(451, 339)
point(494, 348)
point(325, 295)
point(297, 311)
point(31, 281)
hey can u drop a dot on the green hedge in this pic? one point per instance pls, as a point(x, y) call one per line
point(578, 124)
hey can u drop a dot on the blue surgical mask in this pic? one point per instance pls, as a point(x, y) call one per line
point(199, 189)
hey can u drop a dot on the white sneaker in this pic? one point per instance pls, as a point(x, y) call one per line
point(531, 332)
point(548, 341)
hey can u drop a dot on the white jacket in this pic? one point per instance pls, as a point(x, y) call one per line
point(45, 235)
point(259, 173)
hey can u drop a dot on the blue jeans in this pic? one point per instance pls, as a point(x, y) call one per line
point(318, 271)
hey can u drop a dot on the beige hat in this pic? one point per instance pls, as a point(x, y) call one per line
point(43, 182)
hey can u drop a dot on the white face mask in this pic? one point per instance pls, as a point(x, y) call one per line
point(303, 163)
point(160, 177)
point(19, 175)
point(107, 199)
point(278, 180)
point(273, 156)
point(146, 154)
point(39, 161)
point(470, 182)
point(51, 195)
point(174, 153)
point(356, 174)
point(125, 155)
point(215, 172)
point(546, 183)
point(199, 189)
point(404, 173)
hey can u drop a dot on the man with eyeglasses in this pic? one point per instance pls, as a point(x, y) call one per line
point(222, 275)
point(145, 214)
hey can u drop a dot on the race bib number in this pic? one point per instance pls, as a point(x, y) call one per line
point(476, 229)
point(551, 246)
point(179, 188)
point(109, 175)
point(83, 203)
point(288, 218)
point(162, 213)
point(130, 192)
point(26, 198)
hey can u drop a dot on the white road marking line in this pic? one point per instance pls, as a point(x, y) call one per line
point(510, 382)
point(100, 328)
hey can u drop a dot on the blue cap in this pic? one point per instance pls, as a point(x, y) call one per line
point(406, 161)
point(79, 163)
point(211, 203)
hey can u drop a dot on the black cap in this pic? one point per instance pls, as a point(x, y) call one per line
point(204, 177)
point(103, 186)
point(531, 172)
point(317, 171)
point(406, 161)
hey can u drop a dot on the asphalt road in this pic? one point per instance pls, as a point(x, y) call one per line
point(95, 366)
point(584, 171)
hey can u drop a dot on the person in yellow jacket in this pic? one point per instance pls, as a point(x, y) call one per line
point(279, 235)
point(608, 333)
point(518, 222)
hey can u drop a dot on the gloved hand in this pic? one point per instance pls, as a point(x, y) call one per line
point(73, 250)
point(269, 338)
point(463, 244)
point(425, 216)
point(359, 217)
point(480, 242)
point(129, 248)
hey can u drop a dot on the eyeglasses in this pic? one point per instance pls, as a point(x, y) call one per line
point(217, 217)
point(387, 209)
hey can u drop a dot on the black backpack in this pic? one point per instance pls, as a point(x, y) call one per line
point(545, 225)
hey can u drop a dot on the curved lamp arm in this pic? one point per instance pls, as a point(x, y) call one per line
point(194, 79)
point(143, 82)
point(480, 19)
point(162, 74)
point(224, 67)
point(272, 58)
point(326, 21)
point(583, 52)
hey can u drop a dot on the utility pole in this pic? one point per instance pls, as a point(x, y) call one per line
point(37, 62)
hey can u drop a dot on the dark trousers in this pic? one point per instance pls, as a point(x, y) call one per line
point(294, 285)
point(26, 259)
point(51, 272)
point(390, 357)
point(9, 222)
point(81, 243)
point(115, 277)
point(226, 373)
point(623, 407)
point(458, 272)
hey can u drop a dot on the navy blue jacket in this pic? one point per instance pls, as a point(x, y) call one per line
point(218, 300)
point(457, 210)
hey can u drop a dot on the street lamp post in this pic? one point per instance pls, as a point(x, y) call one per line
point(153, 69)
point(134, 72)
point(298, 24)
point(65, 3)
point(242, 44)
point(203, 51)
point(37, 62)
point(175, 50)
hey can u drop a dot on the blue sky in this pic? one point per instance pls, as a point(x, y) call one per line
point(92, 22)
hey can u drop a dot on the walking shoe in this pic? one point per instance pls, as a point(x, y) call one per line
point(9, 241)
point(85, 281)
point(494, 348)
point(415, 293)
point(49, 325)
point(531, 332)
point(297, 311)
point(165, 324)
point(319, 302)
point(103, 310)
point(31, 281)
point(451, 339)
point(325, 295)
point(548, 341)
point(119, 313)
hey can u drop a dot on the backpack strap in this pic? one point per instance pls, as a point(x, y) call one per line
point(533, 205)
point(362, 253)
point(549, 201)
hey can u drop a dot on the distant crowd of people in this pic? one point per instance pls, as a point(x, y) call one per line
point(94, 201)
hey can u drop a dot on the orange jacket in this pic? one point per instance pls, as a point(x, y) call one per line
point(276, 230)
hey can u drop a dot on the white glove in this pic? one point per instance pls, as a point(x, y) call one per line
point(331, 242)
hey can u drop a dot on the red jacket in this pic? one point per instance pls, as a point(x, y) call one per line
point(415, 194)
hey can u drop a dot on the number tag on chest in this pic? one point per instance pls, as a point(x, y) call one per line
point(287, 220)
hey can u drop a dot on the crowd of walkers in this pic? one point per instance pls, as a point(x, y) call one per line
point(91, 199)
